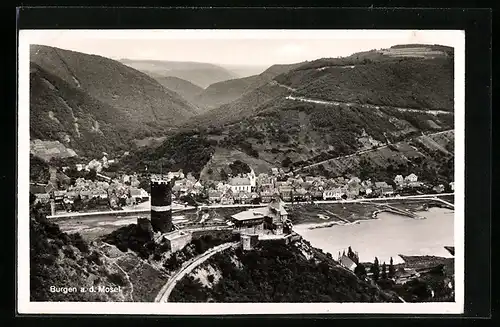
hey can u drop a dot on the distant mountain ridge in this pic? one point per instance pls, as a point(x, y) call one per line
point(224, 92)
point(186, 89)
point(200, 74)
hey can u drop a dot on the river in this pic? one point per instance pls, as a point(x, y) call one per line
point(387, 236)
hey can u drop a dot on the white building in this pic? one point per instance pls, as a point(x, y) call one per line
point(177, 240)
point(412, 178)
point(399, 180)
point(95, 165)
point(240, 184)
point(335, 193)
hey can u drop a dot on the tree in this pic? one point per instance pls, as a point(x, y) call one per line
point(145, 184)
point(122, 202)
point(384, 271)
point(32, 198)
point(392, 271)
point(78, 203)
point(286, 162)
point(375, 270)
point(91, 175)
point(239, 167)
point(223, 175)
point(352, 255)
point(360, 271)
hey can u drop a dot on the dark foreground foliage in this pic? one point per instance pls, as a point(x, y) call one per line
point(279, 273)
point(64, 261)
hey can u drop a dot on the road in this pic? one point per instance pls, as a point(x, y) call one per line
point(349, 104)
point(359, 153)
point(231, 206)
point(341, 157)
point(138, 211)
point(143, 208)
point(275, 83)
point(186, 268)
point(422, 196)
point(368, 106)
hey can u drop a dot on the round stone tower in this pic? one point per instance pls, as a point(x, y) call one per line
point(161, 205)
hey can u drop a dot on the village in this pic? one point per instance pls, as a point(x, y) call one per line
point(257, 205)
point(126, 191)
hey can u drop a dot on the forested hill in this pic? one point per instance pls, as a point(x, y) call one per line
point(276, 272)
point(397, 81)
point(136, 95)
point(336, 107)
point(93, 104)
point(59, 111)
point(186, 89)
point(413, 79)
point(224, 92)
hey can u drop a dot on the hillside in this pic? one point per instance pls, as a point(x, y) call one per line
point(224, 92)
point(431, 157)
point(186, 89)
point(336, 115)
point(66, 114)
point(91, 103)
point(187, 151)
point(85, 272)
point(369, 78)
point(244, 70)
point(200, 74)
point(275, 272)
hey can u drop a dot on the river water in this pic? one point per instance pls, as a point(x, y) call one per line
point(388, 236)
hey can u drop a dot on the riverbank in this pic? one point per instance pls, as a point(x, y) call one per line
point(374, 216)
point(385, 236)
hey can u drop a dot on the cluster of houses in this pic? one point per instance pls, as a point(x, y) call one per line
point(115, 193)
point(262, 188)
point(95, 164)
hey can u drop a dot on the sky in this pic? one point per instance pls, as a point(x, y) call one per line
point(234, 47)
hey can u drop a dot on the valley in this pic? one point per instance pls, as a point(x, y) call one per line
point(337, 141)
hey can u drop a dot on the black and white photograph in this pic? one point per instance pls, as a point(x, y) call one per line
point(235, 171)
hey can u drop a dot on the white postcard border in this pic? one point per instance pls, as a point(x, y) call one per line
point(27, 37)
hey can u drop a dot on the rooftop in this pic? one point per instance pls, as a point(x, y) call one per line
point(175, 235)
point(347, 262)
point(240, 181)
point(250, 214)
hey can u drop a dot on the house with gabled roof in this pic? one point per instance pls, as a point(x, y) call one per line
point(347, 263)
point(399, 180)
point(227, 197)
point(243, 197)
point(214, 196)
